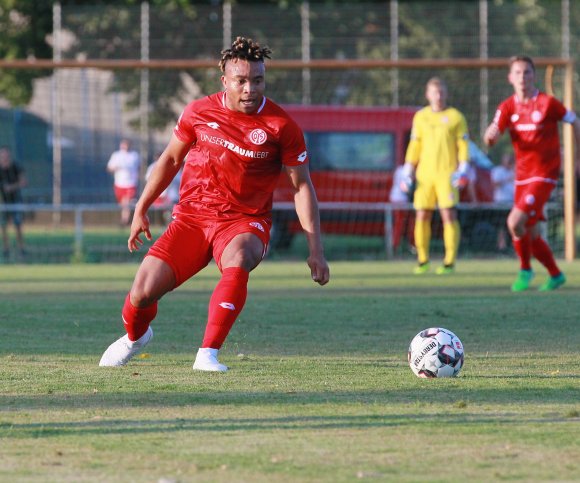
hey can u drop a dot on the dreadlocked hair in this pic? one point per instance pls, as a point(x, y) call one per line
point(244, 49)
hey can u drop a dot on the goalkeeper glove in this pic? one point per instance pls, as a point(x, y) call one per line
point(407, 180)
point(459, 178)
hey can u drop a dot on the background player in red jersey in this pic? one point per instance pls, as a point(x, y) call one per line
point(237, 142)
point(532, 119)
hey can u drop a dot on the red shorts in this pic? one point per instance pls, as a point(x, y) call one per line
point(189, 243)
point(125, 194)
point(531, 198)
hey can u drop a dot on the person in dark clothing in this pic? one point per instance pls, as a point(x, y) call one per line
point(12, 180)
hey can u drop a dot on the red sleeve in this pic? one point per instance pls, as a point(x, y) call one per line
point(292, 146)
point(556, 109)
point(184, 127)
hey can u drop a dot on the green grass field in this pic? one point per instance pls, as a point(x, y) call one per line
point(319, 389)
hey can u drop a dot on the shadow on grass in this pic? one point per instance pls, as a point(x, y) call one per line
point(242, 424)
point(442, 397)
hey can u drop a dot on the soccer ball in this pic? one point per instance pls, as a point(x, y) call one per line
point(436, 352)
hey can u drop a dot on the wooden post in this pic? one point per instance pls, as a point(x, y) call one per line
point(569, 171)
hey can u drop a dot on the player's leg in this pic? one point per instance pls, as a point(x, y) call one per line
point(422, 240)
point(17, 219)
point(451, 237)
point(238, 250)
point(517, 225)
point(424, 202)
point(154, 279)
point(176, 256)
point(5, 240)
point(542, 252)
point(125, 210)
point(447, 199)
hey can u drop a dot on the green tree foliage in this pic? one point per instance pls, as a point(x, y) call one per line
point(25, 26)
point(340, 29)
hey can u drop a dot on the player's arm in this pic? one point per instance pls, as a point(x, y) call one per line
point(165, 170)
point(576, 129)
point(111, 164)
point(307, 210)
point(412, 157)
point(460, 178)
point(494, 130)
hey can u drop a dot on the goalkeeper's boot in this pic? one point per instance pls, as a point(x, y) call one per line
point(553, 283)
point(121, 351)
point(446, 269)
point(206, 360)
point(523, 281)
point(422, 268)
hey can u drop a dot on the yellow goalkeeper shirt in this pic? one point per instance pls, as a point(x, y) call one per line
point(439, 142)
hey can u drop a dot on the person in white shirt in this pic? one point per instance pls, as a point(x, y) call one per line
point(124, 164)
point(503, 177)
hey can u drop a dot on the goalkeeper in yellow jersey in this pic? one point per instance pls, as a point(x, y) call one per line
point(437, 161)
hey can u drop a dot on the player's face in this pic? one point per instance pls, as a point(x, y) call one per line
point(522, 78)
point(436, 96)
point(244, 83)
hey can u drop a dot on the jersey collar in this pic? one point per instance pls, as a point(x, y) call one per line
point(533, 98)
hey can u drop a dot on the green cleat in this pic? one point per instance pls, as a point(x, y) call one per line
point(445, 270)
point(522, 283)
point(421, 268)
point(553, 283)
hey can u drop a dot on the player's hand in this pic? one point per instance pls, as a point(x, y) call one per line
point(459, 181)
point(406, 184)
point(491, 134)
point(459, 178)
point(407, 179)
point(140, 224)
point(319, 269)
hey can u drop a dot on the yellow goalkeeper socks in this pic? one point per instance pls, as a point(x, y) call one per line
point(451, 237)
point(422, 240)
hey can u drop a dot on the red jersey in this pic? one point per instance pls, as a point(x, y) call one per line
point(235, 158)
point(533, 127)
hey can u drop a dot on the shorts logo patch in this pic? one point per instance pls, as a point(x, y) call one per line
point(228, 306)
point(530, 200)
point(258, 136)
point(257, 225)
point(302, 157)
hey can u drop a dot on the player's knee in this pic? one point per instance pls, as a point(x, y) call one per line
point(146, 292)
point(516, 230)
point(247, 259)
point(143, 296)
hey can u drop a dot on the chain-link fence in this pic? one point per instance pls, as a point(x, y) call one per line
point(96, 107)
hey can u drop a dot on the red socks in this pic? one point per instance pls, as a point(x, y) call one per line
point(226, 303)
point(136, 319)
point(541, 250)
point(523, 248)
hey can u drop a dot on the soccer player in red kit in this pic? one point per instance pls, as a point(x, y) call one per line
point(235, 144)
point(532, 119)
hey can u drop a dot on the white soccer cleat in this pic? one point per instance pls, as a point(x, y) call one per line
point(121, 351)
point(206, 360)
